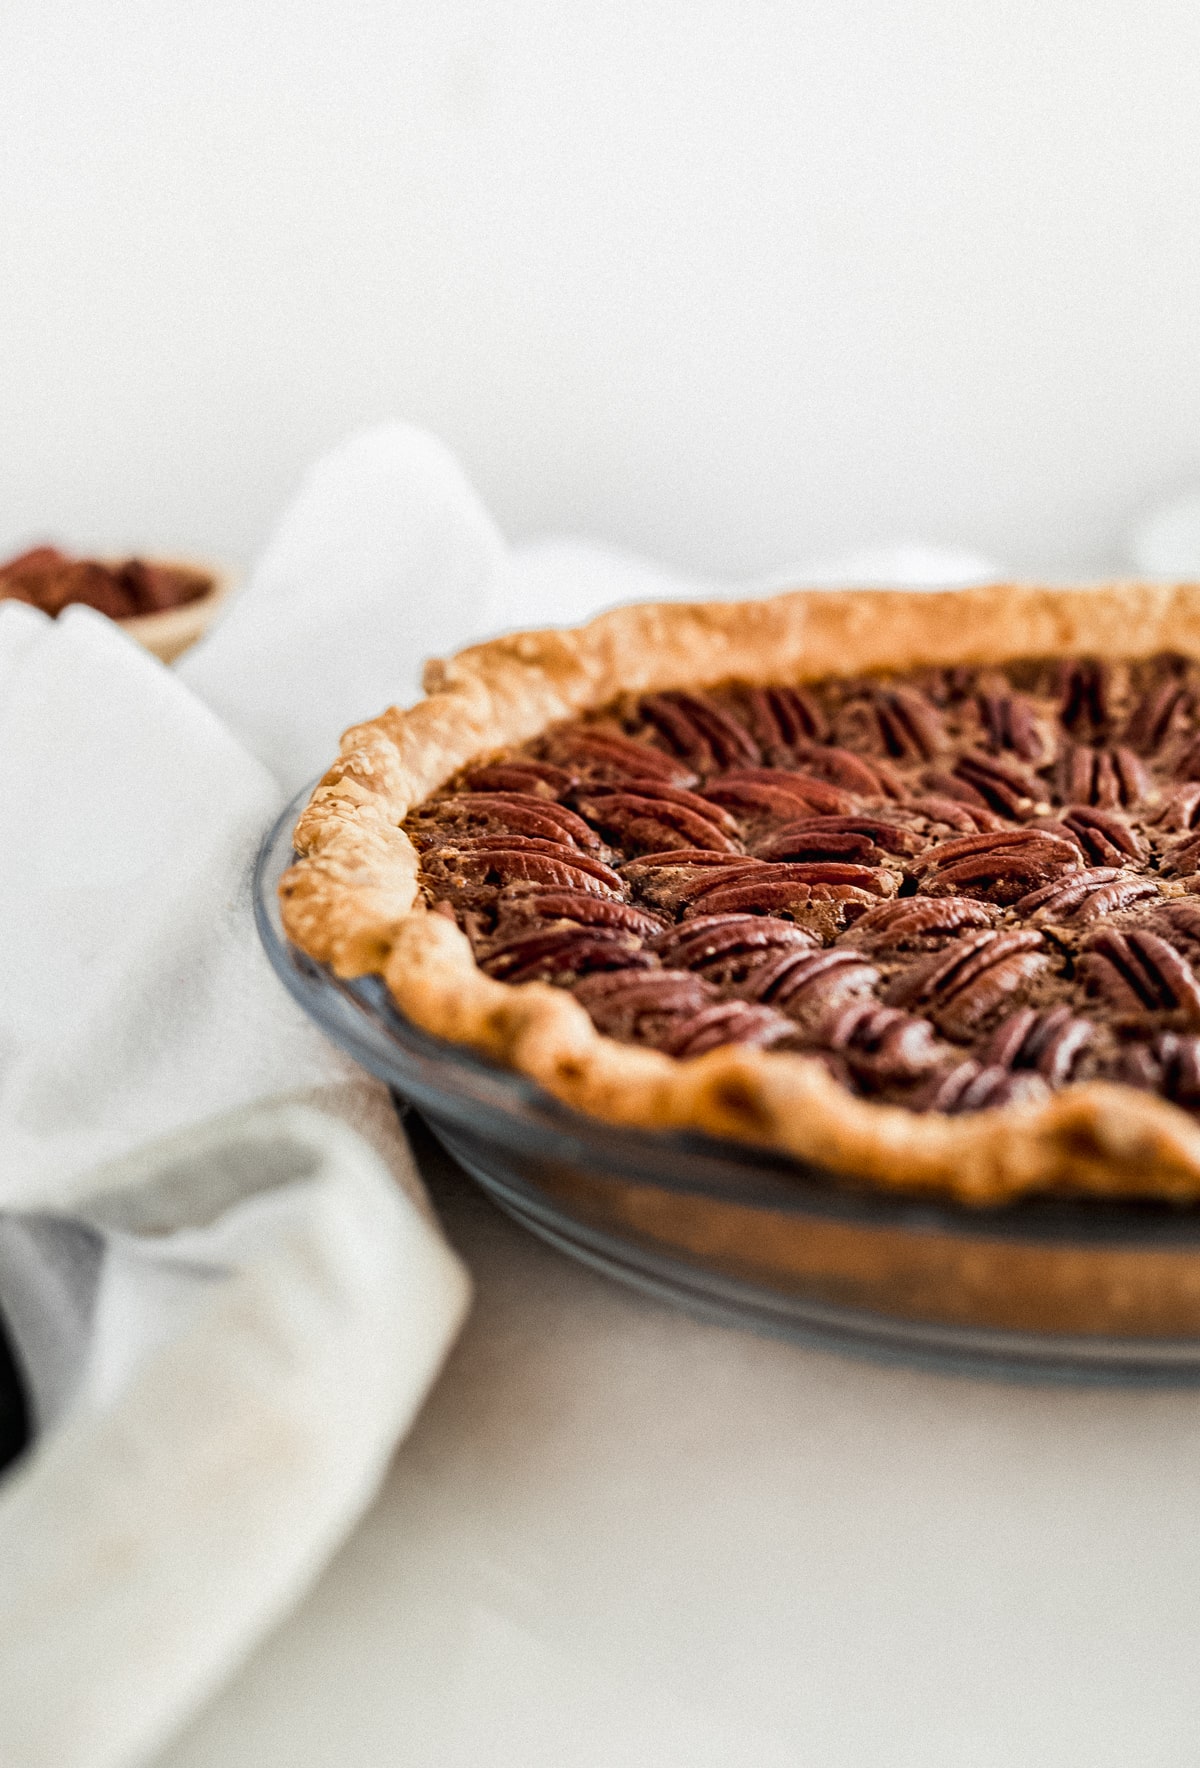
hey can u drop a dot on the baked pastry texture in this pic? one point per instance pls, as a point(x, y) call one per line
point(906, 884)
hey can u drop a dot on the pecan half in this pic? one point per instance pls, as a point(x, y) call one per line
point(663, 794)
point(772, 886)
point(1009, 722)
point(969, 1087)
point(1139, 971)
point(1104, 837)
point(824, 906)
point(779, 718)
point(667, 878)
point(960, 986)
point(917, 923)
point(798, 843)
point(1002, 785)
point(812, 986)
point(842, 767)
point(811, 837)
point(504, 813)
point(693, 944)
point(508, 859)
point(1087, 896)
point(1183, 858)
point(562, 954)
point(642, 1004)
point(683, 858)
point(577, 905)
point(1181, 808)
point(709, 878)
point(967, 813)
point(895, 721)
point(654, 823)
point(1179, 922)
point(607, 755)
point(1001, 867)
point(727, 1022)
point(1169, 1065)
point(1156, 715)
point(1051, 1042)
point(774, 793)
point(1085, 689)
point(701, 730)
point(882, 1043)
point(519, 774)
point(1106, 777)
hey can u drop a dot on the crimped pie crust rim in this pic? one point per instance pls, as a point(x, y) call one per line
point(353, 901)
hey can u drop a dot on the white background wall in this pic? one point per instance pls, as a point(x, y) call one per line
point(730, 283)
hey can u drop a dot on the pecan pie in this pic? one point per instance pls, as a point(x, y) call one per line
point(905, 884)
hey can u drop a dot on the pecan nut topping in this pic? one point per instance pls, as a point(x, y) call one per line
point(1162, 709)
point(1170, 1065)
point(898, 721)
point(1009, 722)
point(1001, 866)
point(960, 986)
point(1087, 896)
point(956, 890)
point(1138, 971)
point(1050, 1042)
point(968, 1086)
point(883, 1045)
point(1105, 777)
point(1000, 785)
point(652, 822)
point(918, 923)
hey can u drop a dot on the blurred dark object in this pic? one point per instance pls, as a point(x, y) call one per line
point(51, 580)
point(14, 1411)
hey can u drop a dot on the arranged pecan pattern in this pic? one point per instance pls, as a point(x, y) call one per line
point(957, 889)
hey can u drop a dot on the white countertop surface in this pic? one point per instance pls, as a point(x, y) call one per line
point(618, 1536)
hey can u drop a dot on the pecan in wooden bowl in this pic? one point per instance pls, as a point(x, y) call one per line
point(163, 604)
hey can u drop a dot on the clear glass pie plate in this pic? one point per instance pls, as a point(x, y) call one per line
point(1044, 1289)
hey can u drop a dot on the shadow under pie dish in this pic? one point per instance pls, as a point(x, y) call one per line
point(899, 884)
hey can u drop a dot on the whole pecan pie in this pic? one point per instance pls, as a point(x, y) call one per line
point(906, 884)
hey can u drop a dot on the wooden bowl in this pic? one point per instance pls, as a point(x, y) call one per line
point(174, 630)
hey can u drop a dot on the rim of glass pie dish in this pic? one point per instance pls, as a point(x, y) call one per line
point(694, 1220)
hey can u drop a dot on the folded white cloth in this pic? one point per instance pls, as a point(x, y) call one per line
point(205, 1446)
point(266, 1313)
point(205, 1443)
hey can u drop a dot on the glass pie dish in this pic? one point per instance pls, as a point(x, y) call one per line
point(1040, 1289)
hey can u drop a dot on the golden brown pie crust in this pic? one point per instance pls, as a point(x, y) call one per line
point(353, 901)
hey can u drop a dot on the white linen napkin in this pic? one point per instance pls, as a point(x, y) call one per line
point(267, 1313)
point(216, 1405)
point(147, 1538)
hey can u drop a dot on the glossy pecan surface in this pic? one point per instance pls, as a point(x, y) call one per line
point(958, 889)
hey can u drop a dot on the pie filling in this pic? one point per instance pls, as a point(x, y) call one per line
point(956, 888)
